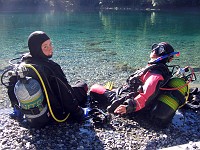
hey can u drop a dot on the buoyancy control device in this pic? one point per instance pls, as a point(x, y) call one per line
point(28, 94)
point(134, 80)
point(173, 95)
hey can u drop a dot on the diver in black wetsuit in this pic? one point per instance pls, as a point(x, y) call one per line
point(64, 98)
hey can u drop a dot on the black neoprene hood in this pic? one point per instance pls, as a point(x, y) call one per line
point(35, 41)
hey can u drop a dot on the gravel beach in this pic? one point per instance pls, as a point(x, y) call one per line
point(121, 133)
point(131, 133)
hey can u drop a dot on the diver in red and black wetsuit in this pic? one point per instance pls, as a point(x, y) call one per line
point(142, 87)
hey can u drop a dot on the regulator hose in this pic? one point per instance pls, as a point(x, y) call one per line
point(186, 84)
point(46, 94)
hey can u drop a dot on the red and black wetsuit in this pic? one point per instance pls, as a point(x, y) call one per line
point(150, 79)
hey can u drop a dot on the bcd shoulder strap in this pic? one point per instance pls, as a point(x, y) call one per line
point(134, 79)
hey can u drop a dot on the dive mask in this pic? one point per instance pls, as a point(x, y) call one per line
point(159, 49)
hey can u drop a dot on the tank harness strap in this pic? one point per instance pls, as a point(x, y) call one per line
point(31, 111)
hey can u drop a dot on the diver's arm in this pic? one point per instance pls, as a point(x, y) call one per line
point(149, 88)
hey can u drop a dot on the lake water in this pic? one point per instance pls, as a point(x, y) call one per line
point(125, 36)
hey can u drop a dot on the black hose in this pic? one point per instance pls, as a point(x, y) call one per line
point(2, 76)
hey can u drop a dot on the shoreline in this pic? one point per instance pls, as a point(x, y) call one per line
point(30, 9)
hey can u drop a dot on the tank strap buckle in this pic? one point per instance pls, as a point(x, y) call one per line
point(31, 111)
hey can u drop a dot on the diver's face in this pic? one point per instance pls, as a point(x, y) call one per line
point(47, 48)
point(153, 55)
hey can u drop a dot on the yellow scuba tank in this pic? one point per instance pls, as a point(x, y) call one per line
point(169, 101)
point(175, 98)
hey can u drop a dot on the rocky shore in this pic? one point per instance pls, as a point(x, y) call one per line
point(131, 133)
point(121, 133)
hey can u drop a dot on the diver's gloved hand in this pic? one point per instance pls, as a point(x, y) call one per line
point(126, 108)
point(86, 112)
point(115, 104)
point(130, 106)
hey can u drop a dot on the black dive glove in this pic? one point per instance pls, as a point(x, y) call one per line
point(130, 106)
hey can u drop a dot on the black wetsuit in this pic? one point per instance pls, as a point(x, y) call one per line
point(63, 97)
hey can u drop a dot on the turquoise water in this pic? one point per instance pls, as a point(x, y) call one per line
point(125, 36)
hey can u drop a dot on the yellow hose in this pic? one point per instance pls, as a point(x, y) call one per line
point(45, 91)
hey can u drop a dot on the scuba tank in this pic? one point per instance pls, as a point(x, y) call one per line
point(173, 96)
point(30, 96)
point(28, 93)
point(31, 101)
point(169, 102)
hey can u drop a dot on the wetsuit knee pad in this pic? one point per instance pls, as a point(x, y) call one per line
point(99, 89)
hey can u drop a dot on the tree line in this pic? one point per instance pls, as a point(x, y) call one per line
point(95, 4)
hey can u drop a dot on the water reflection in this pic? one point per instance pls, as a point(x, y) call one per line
point(153, 16)
point(128, 35)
